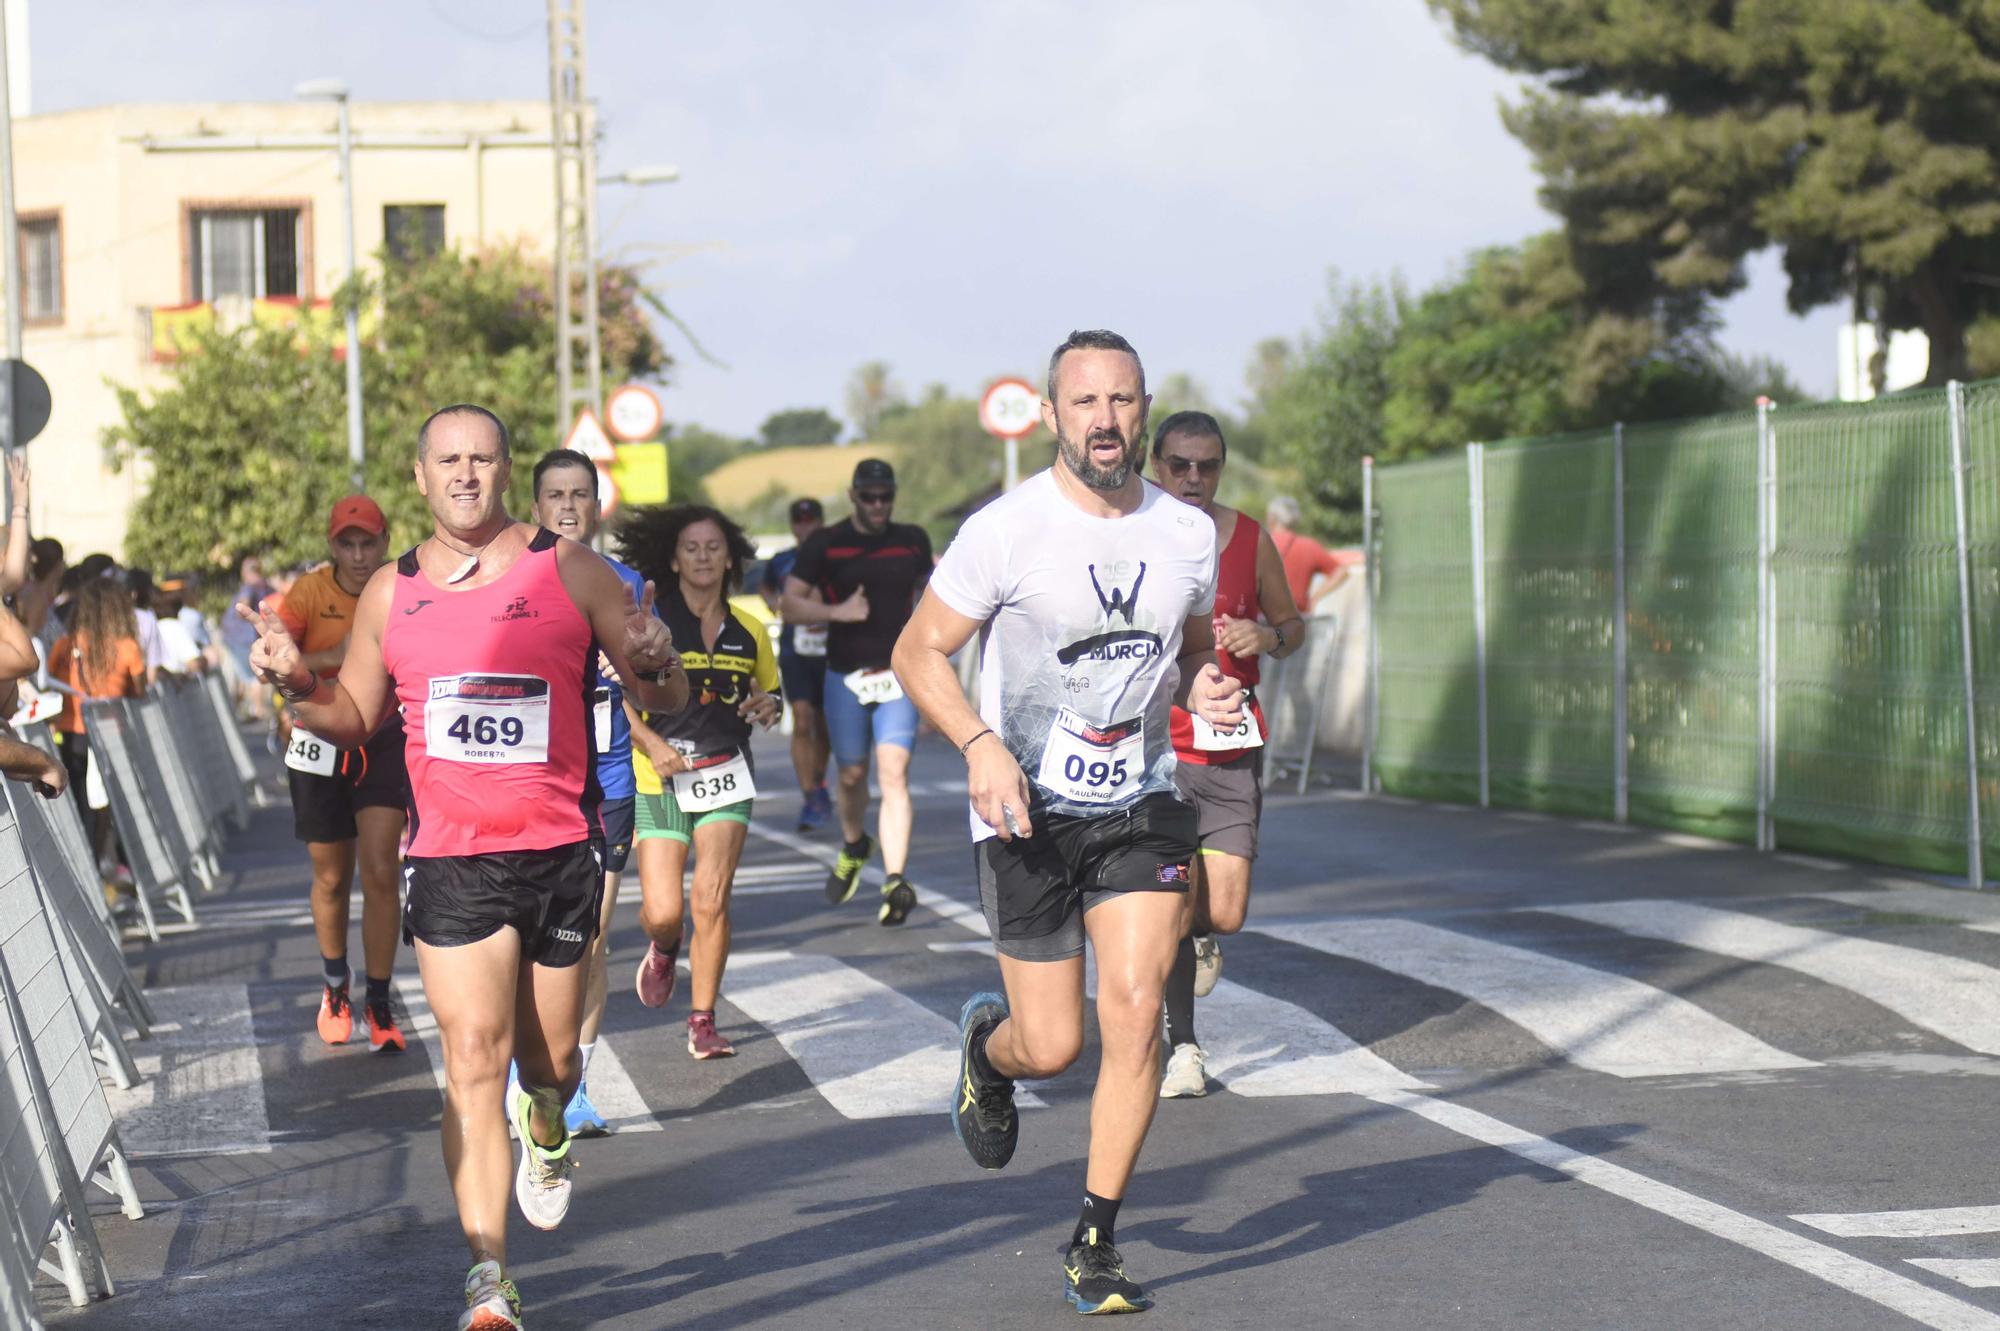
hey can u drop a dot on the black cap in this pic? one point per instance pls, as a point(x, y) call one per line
point(807, 508)
point(874, 471)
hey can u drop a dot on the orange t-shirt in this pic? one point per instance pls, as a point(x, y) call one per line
point(126, 680)
point(317, 613)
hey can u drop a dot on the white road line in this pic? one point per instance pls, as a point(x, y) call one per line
point(1593, 1018)
point(965, 916)
point(611, 1087)
point(1972, 909)
point(1259, 1045)
point(1811, 861)
point(871, 1051)
point(1933, 1223)
point(1898, 1293)
point(1972, 1272)
point(201, 1090)
point(1958, 999)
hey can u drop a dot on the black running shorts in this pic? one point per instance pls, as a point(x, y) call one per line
point(1035, 890)
point(616, 816)
point(549, 897)
point(371, 776)
point(1228, 800)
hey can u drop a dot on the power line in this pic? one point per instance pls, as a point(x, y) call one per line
point(497, 38)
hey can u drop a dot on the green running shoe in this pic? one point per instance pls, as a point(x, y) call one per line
point(1094, 1280)
point(846, 873)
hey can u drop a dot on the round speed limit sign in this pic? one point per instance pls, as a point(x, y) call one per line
point(1010, 409)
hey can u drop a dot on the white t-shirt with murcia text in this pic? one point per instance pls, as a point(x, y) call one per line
point(1083, 620)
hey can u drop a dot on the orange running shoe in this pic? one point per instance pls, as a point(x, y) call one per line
point(383, 1033)
point(336, 1015)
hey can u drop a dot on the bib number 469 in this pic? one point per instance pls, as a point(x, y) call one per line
point(486, 731)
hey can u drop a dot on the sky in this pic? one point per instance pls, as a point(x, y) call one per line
point(949, 188)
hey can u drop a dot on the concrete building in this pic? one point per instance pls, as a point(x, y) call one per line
point(139, 222)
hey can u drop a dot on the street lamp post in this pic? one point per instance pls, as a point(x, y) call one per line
point(335, 91)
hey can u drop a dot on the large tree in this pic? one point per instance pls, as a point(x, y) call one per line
point(1675, 137)
point(247, 446)
point(799, 425)
point(872, 393)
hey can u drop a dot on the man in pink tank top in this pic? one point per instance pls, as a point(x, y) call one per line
point(1220, 773)
point(482, 637)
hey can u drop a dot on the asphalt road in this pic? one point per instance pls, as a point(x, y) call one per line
point(1475, 1070)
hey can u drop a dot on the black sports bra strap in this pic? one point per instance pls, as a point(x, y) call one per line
point(407, 565)
point(543, 539)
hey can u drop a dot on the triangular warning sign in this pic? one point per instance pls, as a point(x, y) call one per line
point(588, 438)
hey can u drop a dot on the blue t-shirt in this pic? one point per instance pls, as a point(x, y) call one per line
point(614, 764)
point(776, 569)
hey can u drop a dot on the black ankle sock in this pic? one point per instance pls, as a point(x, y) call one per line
point(855, 848)
point(378, 991)
point(980, 1067)
point(1100, 1214)
point(1180, 995)
point(334, 971)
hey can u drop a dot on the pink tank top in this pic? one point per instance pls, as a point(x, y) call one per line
point(1235, 596)
point(493, 688)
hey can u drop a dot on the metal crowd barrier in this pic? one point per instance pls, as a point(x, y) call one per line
point(57, 1133)
point(175, 770)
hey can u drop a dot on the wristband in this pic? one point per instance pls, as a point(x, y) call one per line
point(298, 695)
point(974, 740)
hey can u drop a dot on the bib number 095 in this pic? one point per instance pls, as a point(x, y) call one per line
point(1097, 774)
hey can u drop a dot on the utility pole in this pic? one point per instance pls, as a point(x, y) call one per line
point(335, 91)
point(579, 362)
point(10, 241)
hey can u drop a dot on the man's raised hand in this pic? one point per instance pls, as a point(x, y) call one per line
point(274, 657)
point(648, 645)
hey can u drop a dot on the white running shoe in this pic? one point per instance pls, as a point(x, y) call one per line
point(542, 1183)
point(490, 1301)
point(1187, 1073)
point(1207, 964)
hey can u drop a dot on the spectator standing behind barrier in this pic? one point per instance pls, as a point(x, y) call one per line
point(99, 657)
point(802, 664)
point(180, 650)
point(140, 582)
point(18, 760)
point(238, 635)
point(46, 567)
point(1304, 557)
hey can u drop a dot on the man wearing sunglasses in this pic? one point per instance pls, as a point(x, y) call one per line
point(1220, 772)
point(861, 578)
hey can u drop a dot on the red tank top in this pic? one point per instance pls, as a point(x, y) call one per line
point(1235, 596)
point(493, 687)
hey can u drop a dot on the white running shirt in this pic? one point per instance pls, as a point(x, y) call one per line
point(1083, 623)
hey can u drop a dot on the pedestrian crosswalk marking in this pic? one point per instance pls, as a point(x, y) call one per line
point(1259, 1045)
point(201, 1087)
point(1972, 1272)
point(1898, 1293)
point(1970, 909)
point(965, 916)
point(1593, 1018)
point(871, 1051)
point(611, 1087)
point(1920, 1224)
point(1957, 999)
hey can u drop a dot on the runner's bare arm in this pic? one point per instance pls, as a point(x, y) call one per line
point(804, 606)
point(348, 710)
point(17, 649)
point(25, 762)
point(1204, 689)
point(14, 571)
point(665, 758)
point(1242, 637)
point(922, 663)
point(627, 630)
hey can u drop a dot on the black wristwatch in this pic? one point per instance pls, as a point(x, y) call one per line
point(1279, 629)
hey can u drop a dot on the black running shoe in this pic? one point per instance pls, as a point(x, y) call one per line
point(982, 1112)
point(898, 900)
point(1094, 1279)
point(846, 872)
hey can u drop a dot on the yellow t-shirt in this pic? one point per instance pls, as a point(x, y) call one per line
point(719, 681)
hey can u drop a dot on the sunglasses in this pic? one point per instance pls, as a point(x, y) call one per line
point(1179, 466)
point(875, 497)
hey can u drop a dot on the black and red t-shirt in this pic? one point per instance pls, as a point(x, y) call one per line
point(892, 566)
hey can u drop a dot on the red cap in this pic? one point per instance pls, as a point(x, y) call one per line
point(357, 511)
